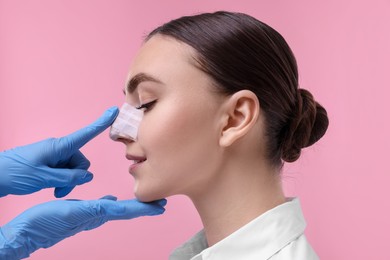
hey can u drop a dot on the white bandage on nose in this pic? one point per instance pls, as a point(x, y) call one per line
point(127, 122)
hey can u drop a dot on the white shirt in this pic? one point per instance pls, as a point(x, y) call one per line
point(276, 234)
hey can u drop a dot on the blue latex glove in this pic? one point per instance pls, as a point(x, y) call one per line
point(46, 224)
point(54, 162)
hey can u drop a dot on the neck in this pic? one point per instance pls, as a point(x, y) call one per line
point(238, 195)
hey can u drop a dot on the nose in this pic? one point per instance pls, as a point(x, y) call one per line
point(124, 141)
point(125, 126)
point(121, 137)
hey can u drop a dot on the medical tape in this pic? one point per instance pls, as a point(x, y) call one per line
point(126, 123)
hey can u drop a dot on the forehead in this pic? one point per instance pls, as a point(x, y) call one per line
point(162, 54)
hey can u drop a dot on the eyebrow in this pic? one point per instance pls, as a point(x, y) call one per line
point(133, 83)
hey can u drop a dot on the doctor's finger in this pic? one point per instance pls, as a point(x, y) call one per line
point(78, 161)
point(74, 177)
point(56, 177)
point(128, 209)
point(69, 144)
point(108, 197)
point(61, 192)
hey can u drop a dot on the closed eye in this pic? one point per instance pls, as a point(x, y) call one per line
point(147, 106)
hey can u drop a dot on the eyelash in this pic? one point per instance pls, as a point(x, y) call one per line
point(147, 106)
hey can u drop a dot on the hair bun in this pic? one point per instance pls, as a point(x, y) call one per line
point(308, 125)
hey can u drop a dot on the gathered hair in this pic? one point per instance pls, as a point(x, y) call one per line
point(240, 52)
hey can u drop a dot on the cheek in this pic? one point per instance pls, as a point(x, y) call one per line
point(168, 129)
point(177, 137)
point(164, 138)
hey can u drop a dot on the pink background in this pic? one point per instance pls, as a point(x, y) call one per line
point(62, 63)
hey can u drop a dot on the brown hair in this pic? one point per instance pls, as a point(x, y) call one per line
point(239, 52)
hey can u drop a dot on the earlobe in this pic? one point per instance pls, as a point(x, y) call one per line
point(242, 111)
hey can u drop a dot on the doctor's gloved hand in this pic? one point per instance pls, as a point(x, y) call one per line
point(46, 224)
point(54, 162)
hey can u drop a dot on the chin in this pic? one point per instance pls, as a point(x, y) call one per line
point(146, 196)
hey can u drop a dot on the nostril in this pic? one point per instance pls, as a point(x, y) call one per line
point(122, 139)
point(116, 135)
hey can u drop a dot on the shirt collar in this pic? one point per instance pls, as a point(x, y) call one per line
point(264, 236)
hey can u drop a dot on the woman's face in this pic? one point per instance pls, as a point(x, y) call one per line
point(177, 150)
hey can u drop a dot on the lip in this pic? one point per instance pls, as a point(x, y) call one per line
point(137, 161)
point(135, 158)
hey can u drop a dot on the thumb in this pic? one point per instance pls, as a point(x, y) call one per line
point(128, 209)
point(66, 177)
point(109, 197)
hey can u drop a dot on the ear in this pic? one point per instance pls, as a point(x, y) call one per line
point(241, 111)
